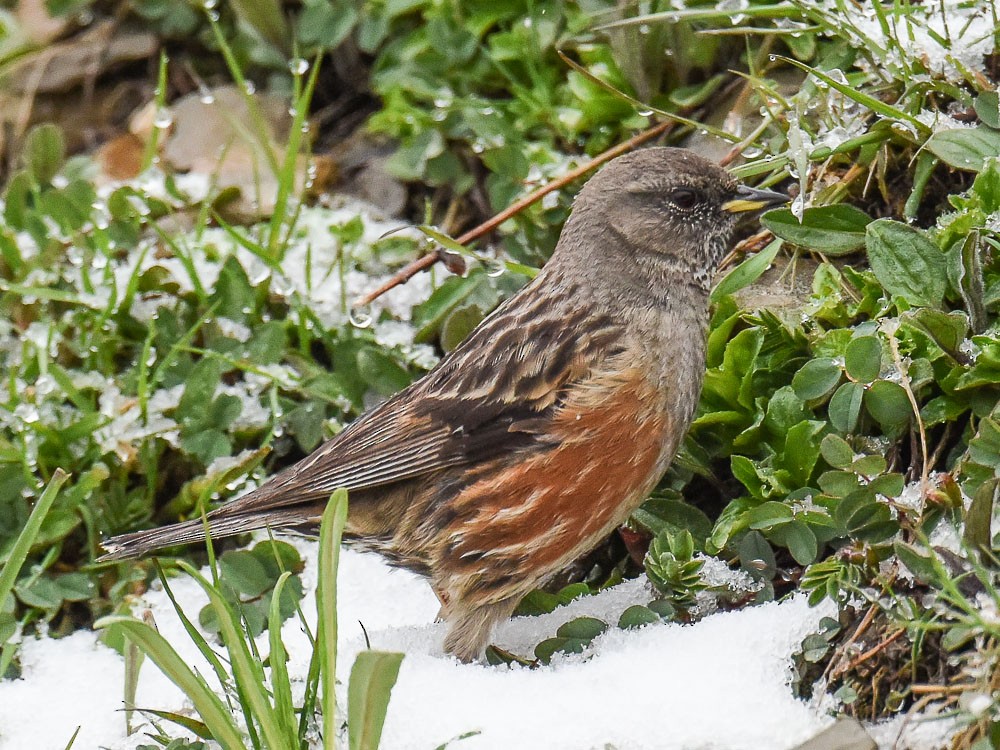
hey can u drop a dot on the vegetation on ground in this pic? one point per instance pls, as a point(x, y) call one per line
point(162, 351)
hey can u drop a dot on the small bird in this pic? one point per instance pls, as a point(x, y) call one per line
point(541, 432)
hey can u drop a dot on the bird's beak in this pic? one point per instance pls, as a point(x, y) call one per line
point(752, 199)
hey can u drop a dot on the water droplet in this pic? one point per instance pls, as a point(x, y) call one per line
point(164, 118)
point(495, 268)
point(527, 23)
point(360, 317)
point(644, 112)
point(644, 28)
point(209, 4)
point(213, 16)
point(250, 87)
point(206, 97)
point(298, 66)
point(772, 58)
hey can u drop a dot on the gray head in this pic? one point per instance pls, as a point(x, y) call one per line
point(667, 207)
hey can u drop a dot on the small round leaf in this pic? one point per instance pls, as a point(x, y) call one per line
point(863, 358)
point(888, 403)
point(816, 378)
point(845, 406)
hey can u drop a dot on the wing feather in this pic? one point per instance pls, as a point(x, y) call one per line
point(476, 403)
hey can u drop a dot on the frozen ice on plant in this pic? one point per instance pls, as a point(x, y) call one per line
point(718, 574)
point(234, 329)
point(971, 349)
point(124, 428)
point(948, 37)
point(911, 498)
point(938, 121)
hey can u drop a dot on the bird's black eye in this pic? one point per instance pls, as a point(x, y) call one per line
point(684, 198)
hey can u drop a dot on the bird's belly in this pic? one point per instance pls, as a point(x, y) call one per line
point(520, 524)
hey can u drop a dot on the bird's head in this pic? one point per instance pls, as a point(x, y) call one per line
point(669, 206)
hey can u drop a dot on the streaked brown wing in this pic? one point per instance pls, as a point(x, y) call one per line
point(489, 396)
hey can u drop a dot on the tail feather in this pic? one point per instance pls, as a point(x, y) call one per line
point(140, 543)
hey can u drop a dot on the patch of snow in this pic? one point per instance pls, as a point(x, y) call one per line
point(721, 683)
point(948, 37)
point(928, 731)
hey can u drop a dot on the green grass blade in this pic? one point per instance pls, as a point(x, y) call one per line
point(19, 553)
point(331, 531)
point(72, 739)
point(281, 687)
point(193, 633)
point(746, 272)
point(208, 705)
point(865, 100)
point(372, 678)
point(448, 243)
point(247, 671)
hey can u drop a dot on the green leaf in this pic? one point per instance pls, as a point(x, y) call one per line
point(44, 152)
point(459, 323)
point(816, 378)
point(889, 485)
point(584, 628)
point(799, 539)
point(381, 372)
point(373, 676)
point(906, 262)
point(845, 407)
point(979, 516)
point(863, 358)
point(209, 706)
point(26, 538)
point(769, 515)
point(756, 556)
point(331, 532)
point(836, 451)
point(550, 646)
point(746, 272)
point(920, 565)
point(947, 330)
point(988, 109)
point(281, 688)
point(636, 616)
point(326, 24)
point(965, 148)
point(245, 573)
point(831, 230)
point(659, 514)
point(888, 403)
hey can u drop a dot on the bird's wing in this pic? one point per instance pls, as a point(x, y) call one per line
point(491, 395)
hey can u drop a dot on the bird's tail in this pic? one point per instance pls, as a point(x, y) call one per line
point(220, 526)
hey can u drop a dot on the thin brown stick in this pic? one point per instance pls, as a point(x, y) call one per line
point(904, 380)
point(862, 658)
point(866, 621)
point(426, 261)
point(752, 244)
point(940, 689)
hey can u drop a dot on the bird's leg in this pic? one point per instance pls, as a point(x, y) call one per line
point(471, 626)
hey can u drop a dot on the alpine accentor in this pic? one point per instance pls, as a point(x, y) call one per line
point(536, 437)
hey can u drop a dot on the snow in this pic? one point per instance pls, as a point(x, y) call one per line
point(721, 683)
point(949, 37)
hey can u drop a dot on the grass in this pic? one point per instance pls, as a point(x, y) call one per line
point(839, 437)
